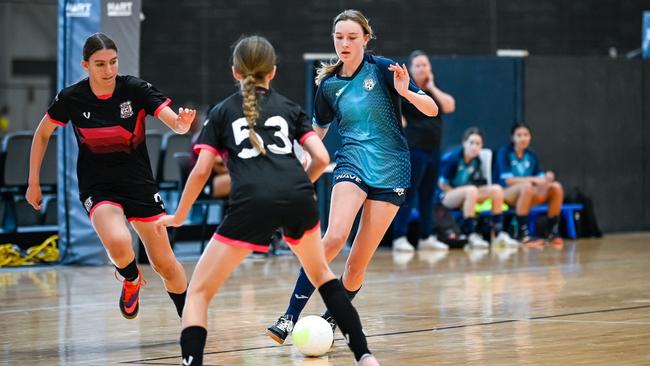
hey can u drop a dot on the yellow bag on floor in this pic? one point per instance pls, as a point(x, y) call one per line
point(46, 252)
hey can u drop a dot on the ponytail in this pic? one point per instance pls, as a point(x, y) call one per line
point(251, 111)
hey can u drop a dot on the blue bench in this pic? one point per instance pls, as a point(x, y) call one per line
point(567, 212)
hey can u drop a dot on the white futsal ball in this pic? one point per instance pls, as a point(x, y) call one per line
point(312, 335)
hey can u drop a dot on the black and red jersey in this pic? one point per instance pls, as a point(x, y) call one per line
point(275, 176)
point(110, 131)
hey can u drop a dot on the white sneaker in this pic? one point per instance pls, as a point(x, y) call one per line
point(402, 245)
point(432, 243)
point(476, 241)
point(505, 240)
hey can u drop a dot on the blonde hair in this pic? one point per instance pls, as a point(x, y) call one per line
point(349, 14)
point(253, 58)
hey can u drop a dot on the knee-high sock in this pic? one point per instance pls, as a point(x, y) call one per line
point(346, 316)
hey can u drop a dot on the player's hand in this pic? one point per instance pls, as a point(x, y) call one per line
point(429, 84)
point(540, 181)
point(401, 78)
point(549, 176)
point(34, 196)
point(168, 220)
point(185, 118)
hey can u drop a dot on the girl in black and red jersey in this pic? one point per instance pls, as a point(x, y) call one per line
point(108, 112)
point(254, 129)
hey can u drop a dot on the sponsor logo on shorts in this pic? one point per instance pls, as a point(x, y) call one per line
point(158, 199)
point(399, 191)
point(126, 110)
point(88, 203)
point(348, 176)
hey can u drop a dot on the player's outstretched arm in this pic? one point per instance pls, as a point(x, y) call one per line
point(39, 145)
point(179, 123)
point(195, 183)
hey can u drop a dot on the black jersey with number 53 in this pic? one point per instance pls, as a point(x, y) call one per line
point(254, 175)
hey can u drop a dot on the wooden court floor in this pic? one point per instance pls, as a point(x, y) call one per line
point(586, 303)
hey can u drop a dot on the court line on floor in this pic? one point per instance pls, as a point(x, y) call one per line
point(281, 287)
point(148, 361)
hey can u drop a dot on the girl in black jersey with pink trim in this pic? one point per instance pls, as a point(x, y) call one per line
point(253, 130)
point(107, 112)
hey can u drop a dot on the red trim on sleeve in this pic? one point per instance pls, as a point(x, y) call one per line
point(54, 121)
point(161, 106)
point(241, 244)
point(306, 136)
point(198, 147)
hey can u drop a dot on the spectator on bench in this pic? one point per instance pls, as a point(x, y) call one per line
point(526, 185)
point(463, 184)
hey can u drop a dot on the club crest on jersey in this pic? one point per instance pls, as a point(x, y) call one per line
point(369, 84)
point(126, 110)
point(88, 203)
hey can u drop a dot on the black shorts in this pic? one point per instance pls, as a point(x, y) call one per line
point(141, 204)
point(396, 196)
point(252, 223)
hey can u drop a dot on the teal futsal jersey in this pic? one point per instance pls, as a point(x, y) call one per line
point(509, 165)
point(367, 108)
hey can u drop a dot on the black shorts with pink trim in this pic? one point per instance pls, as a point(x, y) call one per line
point(251, 224)
point(145, 205)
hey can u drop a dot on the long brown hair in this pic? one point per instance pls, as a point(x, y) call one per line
point(349, 14)
point(253, 59)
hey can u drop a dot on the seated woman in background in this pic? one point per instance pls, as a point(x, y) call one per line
point(463, 185)
point(220, 178)
point(526, 185)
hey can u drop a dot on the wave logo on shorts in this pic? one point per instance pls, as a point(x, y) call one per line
point(399, 191)
point(348, 176)
point(88, 203)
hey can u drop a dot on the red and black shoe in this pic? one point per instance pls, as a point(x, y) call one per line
point(555, 239)
point(531, 241)
point(130, 296)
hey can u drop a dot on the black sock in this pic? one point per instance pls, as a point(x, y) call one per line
point(179, 301)
point(192, 345)
point(351, 296)
point(554, 226)
point(469, 225)
point(522, 224)
point(497, 223)
point(130, 272)
point(346, 316)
